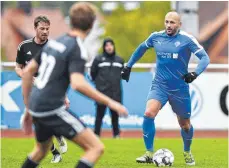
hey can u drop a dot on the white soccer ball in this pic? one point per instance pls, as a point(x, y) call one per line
point(163, 157)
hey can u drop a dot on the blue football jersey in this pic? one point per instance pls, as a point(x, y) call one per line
point(173, 54)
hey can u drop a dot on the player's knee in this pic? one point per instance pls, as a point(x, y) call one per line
point(100, 148)
point(150, 112)
point(186, 127)
point(38, 153)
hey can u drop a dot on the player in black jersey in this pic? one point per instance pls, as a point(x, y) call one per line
point(25, 52)
point(28, 48)
point(60, 63)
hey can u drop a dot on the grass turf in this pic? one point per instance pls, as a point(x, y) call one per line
point(121, 153)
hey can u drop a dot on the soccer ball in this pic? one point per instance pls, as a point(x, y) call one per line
point(163, 157)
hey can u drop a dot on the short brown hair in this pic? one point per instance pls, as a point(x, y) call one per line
point(82, 15)
point(39, 19)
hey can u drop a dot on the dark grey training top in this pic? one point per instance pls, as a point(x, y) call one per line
point(57, 60)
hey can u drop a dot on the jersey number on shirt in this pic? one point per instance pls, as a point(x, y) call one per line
point(45, 70)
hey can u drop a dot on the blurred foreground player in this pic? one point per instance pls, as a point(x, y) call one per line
point(25, 52)
point(173, 48)
point(61, 63)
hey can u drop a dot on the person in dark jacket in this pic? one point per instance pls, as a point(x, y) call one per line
point(105, 72)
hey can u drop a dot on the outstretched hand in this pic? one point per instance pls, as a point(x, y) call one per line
point(125, 74)
point(26, 123)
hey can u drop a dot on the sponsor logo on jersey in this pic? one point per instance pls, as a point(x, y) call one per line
point(159, 42)
point(168, 55)
point(29, 53)
point(175, 55)
point(177, 43)
point(164, 54)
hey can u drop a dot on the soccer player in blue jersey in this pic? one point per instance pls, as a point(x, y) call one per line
point(173, 48)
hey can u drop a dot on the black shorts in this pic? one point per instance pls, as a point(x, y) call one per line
point(61, 124)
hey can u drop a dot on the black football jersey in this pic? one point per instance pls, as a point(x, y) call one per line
point(57, 60)
point(27, 50)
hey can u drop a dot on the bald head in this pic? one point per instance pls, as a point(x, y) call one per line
point(173, 15)
point(172, 23)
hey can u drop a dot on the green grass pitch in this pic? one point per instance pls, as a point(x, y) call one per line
point(121, 153)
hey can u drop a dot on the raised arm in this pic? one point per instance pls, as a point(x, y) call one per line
point(137, 54)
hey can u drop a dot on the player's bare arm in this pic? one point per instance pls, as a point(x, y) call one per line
point(27, 82)
point(80, 84)
point(19, 69)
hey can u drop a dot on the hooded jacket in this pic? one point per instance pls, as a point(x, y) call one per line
point(106, 73)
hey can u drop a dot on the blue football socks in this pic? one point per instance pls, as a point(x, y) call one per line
point(148, 132)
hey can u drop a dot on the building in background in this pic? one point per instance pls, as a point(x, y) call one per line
point(213, 29)
point(188, 11)
point(189, 15)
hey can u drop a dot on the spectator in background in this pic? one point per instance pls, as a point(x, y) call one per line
point(105, 72)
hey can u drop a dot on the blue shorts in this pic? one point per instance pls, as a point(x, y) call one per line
point(179, 99)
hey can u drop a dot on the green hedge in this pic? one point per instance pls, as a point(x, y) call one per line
point(129, 29)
